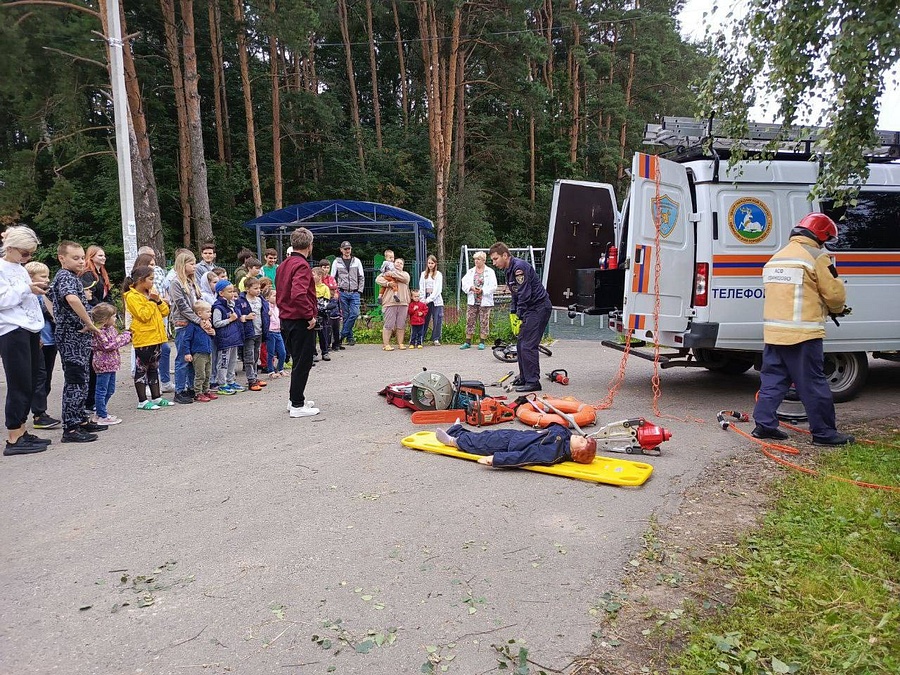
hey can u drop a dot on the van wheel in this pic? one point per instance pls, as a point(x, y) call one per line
point(736, 366)
point(846, 373)
point(719, 362)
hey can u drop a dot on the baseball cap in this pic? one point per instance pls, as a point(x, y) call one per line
point(346, 244)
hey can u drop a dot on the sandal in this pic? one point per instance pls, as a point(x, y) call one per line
point(388, 348)
point(401, 346)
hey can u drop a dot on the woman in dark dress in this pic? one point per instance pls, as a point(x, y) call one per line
point(97, 290)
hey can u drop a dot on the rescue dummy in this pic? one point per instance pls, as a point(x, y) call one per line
point(511, 448)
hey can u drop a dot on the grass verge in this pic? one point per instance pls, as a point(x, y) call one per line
point(819, 583)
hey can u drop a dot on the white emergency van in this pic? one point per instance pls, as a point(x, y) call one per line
point(692, 239)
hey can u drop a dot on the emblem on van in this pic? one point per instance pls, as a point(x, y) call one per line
point(750, 220)
point(668, 213)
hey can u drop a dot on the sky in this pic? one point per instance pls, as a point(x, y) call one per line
point(693, 27)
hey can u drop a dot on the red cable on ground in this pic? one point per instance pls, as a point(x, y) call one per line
point(778, 447)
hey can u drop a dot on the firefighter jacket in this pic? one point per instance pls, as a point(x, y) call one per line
point(801, 291)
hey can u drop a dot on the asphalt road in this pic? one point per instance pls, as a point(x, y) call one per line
point(228, 538)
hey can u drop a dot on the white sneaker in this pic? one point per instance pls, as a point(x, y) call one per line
point(167, 387)
point(306, 410)
point(308, 404)
point(437, 343)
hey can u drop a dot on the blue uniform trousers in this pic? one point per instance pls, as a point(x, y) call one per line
point(516, 448)
point(534, 324)
point(803, 365)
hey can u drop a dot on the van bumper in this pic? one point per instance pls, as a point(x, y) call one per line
point(701, 336)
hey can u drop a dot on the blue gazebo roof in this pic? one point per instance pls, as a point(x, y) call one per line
point(344, 217)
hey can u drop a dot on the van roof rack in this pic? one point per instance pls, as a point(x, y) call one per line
point(685, 137)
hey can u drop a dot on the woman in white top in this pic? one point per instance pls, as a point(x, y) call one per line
point(431, 283)
point(21, 321)
point(479, 283)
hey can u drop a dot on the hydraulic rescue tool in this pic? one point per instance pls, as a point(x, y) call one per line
point(634, 437)
point(560, 376)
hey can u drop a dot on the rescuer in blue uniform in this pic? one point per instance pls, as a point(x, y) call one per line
point(532, 305)
point(511, 448)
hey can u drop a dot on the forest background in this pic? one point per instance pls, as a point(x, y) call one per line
point(463, 111)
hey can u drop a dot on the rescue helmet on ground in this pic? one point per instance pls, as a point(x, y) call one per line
point(585, 454)
point(817, 225)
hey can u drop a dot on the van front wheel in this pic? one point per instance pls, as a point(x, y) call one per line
point(846, 373)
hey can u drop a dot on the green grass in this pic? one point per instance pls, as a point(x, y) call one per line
point(819, 583)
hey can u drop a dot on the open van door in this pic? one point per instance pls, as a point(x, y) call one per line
point(582, 223)
point(667, 206)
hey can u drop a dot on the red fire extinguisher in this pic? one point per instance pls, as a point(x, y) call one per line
point(612, 257)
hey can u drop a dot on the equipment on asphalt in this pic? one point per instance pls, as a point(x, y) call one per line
point(432, 391)
point(569, 412)
point(601, 470)
point(502, 382)
point(508, 352)
point(481, 413)
point(634, 437)
point(559, 376)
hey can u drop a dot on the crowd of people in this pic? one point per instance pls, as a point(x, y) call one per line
point(266, 316)
point(214, 322)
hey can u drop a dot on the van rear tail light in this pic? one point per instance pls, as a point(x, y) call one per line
point(701, 285)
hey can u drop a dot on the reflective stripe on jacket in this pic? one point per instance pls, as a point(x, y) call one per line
point(800, 292)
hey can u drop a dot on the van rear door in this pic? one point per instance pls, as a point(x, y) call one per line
point(583, 219)
point(660, 200)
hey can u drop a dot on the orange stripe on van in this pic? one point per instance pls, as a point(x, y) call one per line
point(637, 322)
point(738, 265)
point(848, 264)
point(648, 165)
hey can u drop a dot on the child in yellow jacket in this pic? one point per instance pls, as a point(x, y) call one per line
point(148, 332)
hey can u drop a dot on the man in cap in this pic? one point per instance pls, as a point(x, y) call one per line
point(802, 289)
point(532, 305)
point(348, 272)
point(512, 448)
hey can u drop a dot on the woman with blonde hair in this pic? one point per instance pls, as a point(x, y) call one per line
point(183, 293)
point(21, 321)
point(479, 284)
point(431, 283)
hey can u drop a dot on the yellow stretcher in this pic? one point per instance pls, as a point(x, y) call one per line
point(602, 470)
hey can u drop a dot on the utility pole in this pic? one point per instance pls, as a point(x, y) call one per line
point(123, 146)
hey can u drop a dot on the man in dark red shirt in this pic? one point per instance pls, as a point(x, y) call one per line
point(297, 310)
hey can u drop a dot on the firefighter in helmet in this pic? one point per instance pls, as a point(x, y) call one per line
point(802, 289)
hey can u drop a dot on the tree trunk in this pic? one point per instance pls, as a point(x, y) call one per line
point(351, 78)
point(145, 207)
point(404, 89)
point(531, 161)
point(146, 199)
point(184, 141)
point(440, 88)
point(218, 70)
point(628, 86)
point(244, 60)
point(199, 191)
point(373, 67)
point(575, 84)
point(276, 115)
point(460, 123)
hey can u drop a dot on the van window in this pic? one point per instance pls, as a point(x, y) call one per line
point(870, 225)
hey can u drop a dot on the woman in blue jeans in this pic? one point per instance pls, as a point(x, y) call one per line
point(184, 292)
point(431, 283)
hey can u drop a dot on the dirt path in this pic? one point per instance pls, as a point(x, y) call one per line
point(243, 541)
